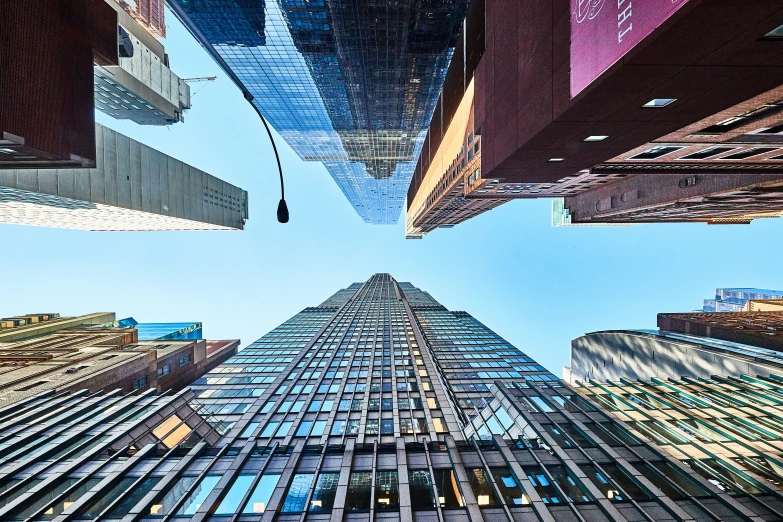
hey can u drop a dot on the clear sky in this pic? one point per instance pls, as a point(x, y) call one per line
point(537, 286)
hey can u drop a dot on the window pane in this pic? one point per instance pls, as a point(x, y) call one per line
point(617, 476)
point(94, 508)
point(358, 497)
point(236, 493)
point(59, 506)
point(421, 490)
point(261, 494)
point(448, 492)
point(323, 495)
point(482, 488)
point(198, 496)
point(297, 493)
point(387, 426)
point(509, 487)
point(387, 492)
point(131, 500)
point(318, 428)
point(270, 428)
point(304, 428)
point(338, 428)
point(372, 427)
point(251, 427)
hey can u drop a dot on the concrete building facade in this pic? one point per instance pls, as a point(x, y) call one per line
point(132, 187)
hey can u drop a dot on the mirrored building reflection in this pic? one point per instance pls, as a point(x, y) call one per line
point(350, 84)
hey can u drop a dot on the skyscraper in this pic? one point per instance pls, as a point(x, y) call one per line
point(351, 84)
point(132, 187)
point(735, 299)
point(381, 404)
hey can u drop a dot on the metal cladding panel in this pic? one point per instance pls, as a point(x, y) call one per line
point(47, 181)
point(110, 168)
point(82, 185)
point(135, 173)
point(66, 179)
point(27, 180)
point(124, 167)
point(146, 174)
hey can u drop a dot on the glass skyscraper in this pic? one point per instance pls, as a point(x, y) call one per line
point(734, 299)
point(381, 404)
point(351, 84)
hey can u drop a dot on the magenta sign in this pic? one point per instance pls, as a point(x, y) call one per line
point(602, 31)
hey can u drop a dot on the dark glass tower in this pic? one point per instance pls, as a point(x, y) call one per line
point(381, 404)
point(350, 83)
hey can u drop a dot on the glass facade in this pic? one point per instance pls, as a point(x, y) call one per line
point(164, 331)
point(379, 403)
point(351, 85)
point(734, 299)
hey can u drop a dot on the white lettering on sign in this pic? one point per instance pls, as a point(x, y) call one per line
point(623, 17)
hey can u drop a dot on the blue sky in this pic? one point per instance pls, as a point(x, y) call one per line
point(537, 286)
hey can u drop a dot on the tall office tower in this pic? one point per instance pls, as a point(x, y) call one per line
point(47, 112)
point(353, 410)
point(133, 187)
point(736, 299)
point(351, 84)
point(563, 107)
point(141, 87)
point(91, 352)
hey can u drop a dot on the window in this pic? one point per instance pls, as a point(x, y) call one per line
point(270, 429)
point(338, 427)
point(251, 427)
point(440, 426)
point(707, 153)
point(655, 152)
point(509, 487)
point(421, 490)
point(548, 492)
point(185, 359)
point(747, 153)
point(387, 405)
point(449, 495)
point(164, 370)
point(387, 493)
point(139, 383)
point(352, 428)
point(387, 426)
point(358, 497)
point(482, 487)
point(297, 493)
point(122, 509)
point(230, 503)
point(318, 428)
point(323, 495)
point(304, 428)
point(261, 494)
point(196, 498)
point(617, 476)
point(372, 427)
